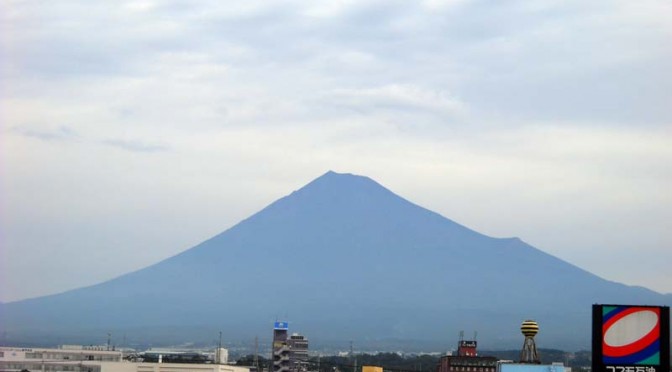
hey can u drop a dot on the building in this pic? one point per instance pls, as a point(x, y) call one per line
point(298, 353)
point(280, 347)
point(467, 360)
point(93, 359)
point(221, 355)
point(67, 358)
point(532, 367)
point(290, 353)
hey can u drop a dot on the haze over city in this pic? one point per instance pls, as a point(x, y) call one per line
point(134, 130)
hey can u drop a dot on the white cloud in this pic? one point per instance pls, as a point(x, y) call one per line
point(398, 98)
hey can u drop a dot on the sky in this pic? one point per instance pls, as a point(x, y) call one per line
point(133, 130)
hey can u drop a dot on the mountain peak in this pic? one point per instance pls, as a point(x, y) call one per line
point(332, 176)
point(342, 183)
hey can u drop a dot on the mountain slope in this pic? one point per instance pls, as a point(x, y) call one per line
point(343, 258)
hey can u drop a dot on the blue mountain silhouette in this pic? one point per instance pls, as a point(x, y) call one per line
point(342, 258)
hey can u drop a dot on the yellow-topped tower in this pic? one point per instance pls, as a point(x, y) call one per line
point(529, 328)
point(529, 354)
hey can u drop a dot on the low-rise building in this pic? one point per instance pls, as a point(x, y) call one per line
point(466, 360)
point(93, 359)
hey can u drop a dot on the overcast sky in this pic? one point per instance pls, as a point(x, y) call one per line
point(133, 130)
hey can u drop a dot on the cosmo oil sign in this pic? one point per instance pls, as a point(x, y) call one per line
point(630, 338)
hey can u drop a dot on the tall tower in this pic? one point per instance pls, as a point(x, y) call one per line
point(280, 347)
point(529, 354)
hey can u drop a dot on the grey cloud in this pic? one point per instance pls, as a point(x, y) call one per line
point(397, 98)
point(543, 61)
point(104, 43)
point(61, 133)
point(135, 146)
point(64, 133)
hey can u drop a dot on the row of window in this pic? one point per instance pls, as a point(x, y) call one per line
point(472, 369)
point(470, 362)
point(9, 366)
point(61, 356)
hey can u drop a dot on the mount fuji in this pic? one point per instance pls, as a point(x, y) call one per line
point(342, 258)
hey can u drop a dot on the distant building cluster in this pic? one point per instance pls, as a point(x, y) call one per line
point(626, 338)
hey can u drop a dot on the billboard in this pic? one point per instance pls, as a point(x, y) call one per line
point(468, 344)
point(631, 338)
point(280, 325)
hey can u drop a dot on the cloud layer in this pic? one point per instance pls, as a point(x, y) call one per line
point(132, 130)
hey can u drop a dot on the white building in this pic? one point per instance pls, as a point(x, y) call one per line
point(92, 359)
point(67, 358)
